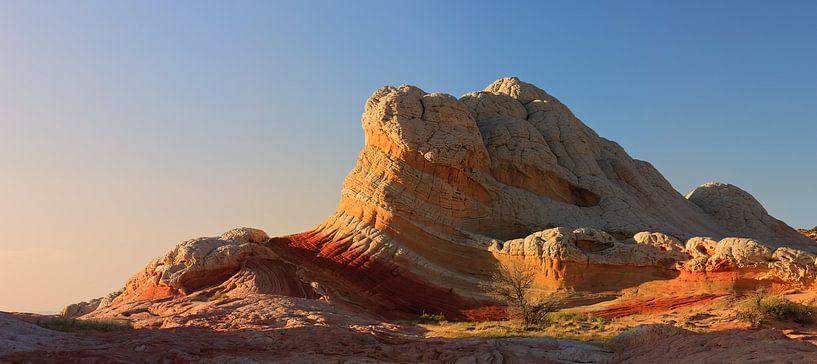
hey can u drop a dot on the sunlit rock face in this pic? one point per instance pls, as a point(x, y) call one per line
point(441, 180)
point(742, 215)
point(444, 188)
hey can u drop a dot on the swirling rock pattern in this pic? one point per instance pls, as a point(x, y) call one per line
point(234, 263)
point(444, 188)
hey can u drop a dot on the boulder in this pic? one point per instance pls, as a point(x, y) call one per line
point(736, 253)
point(660, 241)
point(742, 215)
point(700, 246)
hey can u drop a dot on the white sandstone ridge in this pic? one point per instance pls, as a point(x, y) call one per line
point(510, 160)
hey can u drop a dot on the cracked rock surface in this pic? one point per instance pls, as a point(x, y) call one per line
point(446, 187)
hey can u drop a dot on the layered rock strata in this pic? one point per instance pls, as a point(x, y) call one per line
point(446, 188)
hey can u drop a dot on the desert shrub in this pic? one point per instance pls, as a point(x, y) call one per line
point(426, 318)
point(79, 325)
point(511, 284)
point(762, 306)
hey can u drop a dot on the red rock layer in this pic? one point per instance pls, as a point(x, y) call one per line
point(355, 277)
point(350, 274)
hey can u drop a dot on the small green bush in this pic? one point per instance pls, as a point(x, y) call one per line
point(431, 319)
point(761, 307)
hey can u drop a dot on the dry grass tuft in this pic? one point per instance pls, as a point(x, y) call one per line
point(563, 325)
point(79, 325)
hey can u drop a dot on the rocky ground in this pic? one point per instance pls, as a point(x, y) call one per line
point(268, 328)
point(264, 328)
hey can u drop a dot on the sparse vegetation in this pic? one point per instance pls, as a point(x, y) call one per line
point(511, 284)
point(217, 297)
point(429, 319)
point(564, 325)
point(531, 315)
point(79, 325)
point(577, 317)
point(762, 307)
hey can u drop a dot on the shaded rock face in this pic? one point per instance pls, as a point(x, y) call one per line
point(445, 188)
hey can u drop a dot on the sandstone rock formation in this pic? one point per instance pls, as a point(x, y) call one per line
point(261, 328)
point(234, 263)
point(82, 308)
point(742, 215)
point(811, 234)
point(445, 188)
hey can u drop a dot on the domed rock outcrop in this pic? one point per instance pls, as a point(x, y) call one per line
point(236, 262)
point(742, 215)
point(445, 188)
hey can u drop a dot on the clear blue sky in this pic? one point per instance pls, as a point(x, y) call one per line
point(127, 126)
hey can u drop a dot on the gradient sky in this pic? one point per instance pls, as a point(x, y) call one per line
point(126, 127)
